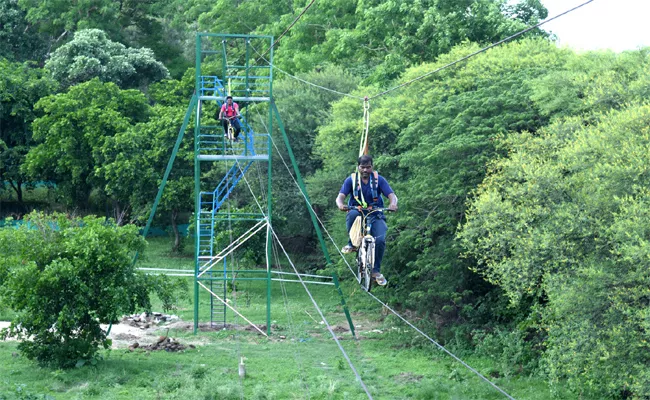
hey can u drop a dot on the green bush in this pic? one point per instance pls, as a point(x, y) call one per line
point(64, 277)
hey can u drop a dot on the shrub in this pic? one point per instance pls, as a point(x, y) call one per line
point(64, 277)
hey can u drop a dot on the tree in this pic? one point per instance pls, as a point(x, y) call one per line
point(379, 39)
point(563, 220)
point(92, 55)
point(139, 158)
point(64, 277)
point(59, 18)
point(73, 131)
point(19, 41)
point(22, 86)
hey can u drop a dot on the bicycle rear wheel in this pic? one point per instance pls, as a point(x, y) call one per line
point(360, 267)
point(369, 262)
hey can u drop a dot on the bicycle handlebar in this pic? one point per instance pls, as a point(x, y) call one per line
point(371, 209)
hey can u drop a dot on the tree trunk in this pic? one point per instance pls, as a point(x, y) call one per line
point(177, 235)
point(18, 188)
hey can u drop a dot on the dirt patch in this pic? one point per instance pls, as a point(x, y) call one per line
point(408, 377)
point(163, 343)
point(210, 327)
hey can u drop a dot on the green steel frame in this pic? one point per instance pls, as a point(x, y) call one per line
point(249, 154)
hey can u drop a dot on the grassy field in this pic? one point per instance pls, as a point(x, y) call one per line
point(299, 361)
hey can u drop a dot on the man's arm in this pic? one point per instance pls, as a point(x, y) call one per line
point(393, 202)
point(340, 202)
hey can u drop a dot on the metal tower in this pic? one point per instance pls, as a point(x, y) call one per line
point(240, 66)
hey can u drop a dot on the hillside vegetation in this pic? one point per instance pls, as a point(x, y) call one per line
point(523, 173)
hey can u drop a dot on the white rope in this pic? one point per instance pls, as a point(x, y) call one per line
point(484, 49)
point(329, 328)
point(312, 208)
point(345, 355)
point(363, 146)
point(304, 81)
point(296, 350)
point(232, 246)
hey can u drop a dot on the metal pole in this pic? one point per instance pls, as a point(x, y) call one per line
point(197, 186)
point(269, 198)
point(335, 278)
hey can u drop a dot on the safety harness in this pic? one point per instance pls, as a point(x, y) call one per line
point(357, 193)
point(232, 108)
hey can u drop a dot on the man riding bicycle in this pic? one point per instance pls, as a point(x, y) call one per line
point(366, 188)
point(230, 111)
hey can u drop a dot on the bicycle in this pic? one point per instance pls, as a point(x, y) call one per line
point(230, 135)
point(366, 249)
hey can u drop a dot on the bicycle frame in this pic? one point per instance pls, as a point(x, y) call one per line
point(230, 131)
point(366, 259)
point(366, 254)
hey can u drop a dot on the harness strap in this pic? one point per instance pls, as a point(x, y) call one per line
point(358, 192)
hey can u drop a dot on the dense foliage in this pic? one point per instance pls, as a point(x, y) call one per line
point(563, 221)
point(521, 172)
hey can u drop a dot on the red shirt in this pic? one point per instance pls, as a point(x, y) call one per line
point(230, 111)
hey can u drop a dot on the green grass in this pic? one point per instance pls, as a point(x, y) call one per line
point(306, 364)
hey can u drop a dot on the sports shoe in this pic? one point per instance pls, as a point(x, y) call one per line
point(347, 249)
point(379, 278)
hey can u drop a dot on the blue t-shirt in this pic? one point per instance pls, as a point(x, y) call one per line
point(383, 188)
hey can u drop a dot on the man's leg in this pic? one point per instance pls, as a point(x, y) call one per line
point(224, 123)
point(236, 126)
point(378, 230)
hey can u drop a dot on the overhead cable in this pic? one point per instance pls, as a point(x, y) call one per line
point(329, 328)
point(509, 38)
point(304, 81)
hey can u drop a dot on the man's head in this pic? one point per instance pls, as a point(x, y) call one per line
point(365, 166)
point(229, 100)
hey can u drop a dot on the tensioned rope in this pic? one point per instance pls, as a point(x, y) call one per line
point(297, 355)
point(329, 328)
point(384, 304)
point(363, 146)
point(303, 194)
